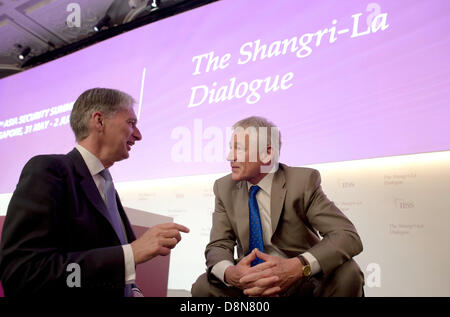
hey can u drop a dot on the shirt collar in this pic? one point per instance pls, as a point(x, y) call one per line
point(93, 163)
point(265, 183)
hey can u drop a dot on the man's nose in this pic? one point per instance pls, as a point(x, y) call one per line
point(137, 134)
point(231, 156)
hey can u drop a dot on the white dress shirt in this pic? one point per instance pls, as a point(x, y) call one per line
point(95, 167)
point(263, 198)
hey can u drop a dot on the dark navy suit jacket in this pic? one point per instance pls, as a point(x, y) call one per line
point(56, 217)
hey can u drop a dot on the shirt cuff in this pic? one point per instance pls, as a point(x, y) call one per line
point(130, 268)
point(219, 270)
point(313, 263)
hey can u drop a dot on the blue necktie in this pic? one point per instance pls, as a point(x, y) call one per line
point(114, 216)
point(256, 237)
point(111, 204)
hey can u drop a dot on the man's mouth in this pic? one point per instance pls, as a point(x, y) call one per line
point(129, 145)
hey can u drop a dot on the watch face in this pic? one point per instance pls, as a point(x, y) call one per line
point(306, 270)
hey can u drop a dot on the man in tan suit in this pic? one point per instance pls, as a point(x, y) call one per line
point(305, 244)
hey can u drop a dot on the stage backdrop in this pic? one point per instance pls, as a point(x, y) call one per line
point(347, 85)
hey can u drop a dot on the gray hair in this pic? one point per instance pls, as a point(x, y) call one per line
point(104, 100)
point(259, 122)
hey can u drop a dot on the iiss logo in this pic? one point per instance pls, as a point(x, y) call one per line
point(346, 184)
point(404, 204)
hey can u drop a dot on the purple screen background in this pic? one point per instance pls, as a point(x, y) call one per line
point(382, 94)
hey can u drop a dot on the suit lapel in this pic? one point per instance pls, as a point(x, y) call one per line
point(240, 198)
point(277, 197)
point(89, 187)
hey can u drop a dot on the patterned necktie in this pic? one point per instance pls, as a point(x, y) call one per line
point(111, 204)
point(114, 216)
point(256, 237)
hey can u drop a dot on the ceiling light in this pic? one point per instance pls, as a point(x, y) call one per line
point(24, 53)
point(103, 22)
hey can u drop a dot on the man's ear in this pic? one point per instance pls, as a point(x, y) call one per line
point(97, 121)
point(266, 156)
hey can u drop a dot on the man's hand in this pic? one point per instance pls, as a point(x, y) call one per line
point(279, 274)
point(158, 240)
point(234, 273)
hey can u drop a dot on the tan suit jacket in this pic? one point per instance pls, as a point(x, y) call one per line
point(299, 207)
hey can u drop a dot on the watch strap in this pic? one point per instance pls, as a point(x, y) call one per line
point(302, 259)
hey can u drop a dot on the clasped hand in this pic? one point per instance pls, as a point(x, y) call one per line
point(270, 278)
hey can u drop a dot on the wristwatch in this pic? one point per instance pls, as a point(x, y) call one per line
point(306, 269)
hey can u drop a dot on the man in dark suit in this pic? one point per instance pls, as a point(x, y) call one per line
point(65, 213)
point(274, 213)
